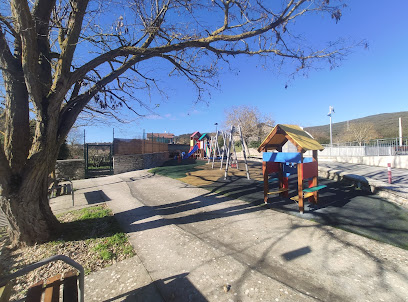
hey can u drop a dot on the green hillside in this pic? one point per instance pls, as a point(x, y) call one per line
point(385, 124)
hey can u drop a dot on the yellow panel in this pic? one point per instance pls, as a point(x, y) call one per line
point(301, 137)
point(298, 135)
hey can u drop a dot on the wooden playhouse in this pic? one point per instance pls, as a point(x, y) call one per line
point(288, 163)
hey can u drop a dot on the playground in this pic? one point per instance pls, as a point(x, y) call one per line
point(341, 204)
point(278, 182)
point(200, 237)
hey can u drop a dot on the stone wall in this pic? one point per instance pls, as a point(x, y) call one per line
point(127, 163)
point(70, 168)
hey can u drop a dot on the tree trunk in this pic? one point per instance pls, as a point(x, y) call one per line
point(27, 209)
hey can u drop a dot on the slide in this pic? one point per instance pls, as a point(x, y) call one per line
point(195, 148)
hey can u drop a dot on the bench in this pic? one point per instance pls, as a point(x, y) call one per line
point(309, 192)
point(56, 189)
point(49, 291)
point(279, 191)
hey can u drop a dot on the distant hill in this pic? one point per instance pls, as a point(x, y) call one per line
point(386, 125)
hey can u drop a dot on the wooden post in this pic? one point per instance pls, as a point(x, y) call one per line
point(143, 142)
point(265, 181)
point(300, 183)
point(314, 182)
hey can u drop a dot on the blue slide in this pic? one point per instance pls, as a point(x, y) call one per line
point(195, 148)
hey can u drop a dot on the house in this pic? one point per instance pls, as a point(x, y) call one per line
point(167, 138)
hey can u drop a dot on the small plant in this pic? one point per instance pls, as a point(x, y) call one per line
point(117, 243)
point(94, 213)
point(103, 251)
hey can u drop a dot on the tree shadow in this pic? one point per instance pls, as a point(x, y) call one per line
point(87, 229)
point(148, 217)
point(173, 288)
point(7, 260)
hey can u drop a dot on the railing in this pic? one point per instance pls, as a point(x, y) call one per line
point(378, 147)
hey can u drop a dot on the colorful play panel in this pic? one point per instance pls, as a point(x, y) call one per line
point(285, 164)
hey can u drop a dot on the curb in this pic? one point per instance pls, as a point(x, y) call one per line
point(380, 188)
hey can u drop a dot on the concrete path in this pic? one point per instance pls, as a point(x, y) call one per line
point(193, 245)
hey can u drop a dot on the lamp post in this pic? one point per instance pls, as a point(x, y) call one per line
point(331, 110)
point(216, 124)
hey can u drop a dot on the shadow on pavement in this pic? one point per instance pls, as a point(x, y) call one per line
point(337, 198)
point(340, 205)
point(96, 197)
point(174, 288)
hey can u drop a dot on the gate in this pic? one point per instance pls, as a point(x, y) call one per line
point(98, 160)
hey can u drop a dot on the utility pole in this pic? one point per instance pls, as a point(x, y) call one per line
point(331, 110)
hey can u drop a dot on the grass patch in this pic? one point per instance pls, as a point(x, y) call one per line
point(176, 170)
point(94, 213)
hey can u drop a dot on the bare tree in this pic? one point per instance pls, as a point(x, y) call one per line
point(358, 132)
point(61, 57)
point(253, 124)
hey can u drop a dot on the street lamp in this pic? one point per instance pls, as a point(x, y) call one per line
point(331, 110)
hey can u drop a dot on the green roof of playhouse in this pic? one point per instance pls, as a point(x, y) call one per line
point(203, 136)
point(293, 133)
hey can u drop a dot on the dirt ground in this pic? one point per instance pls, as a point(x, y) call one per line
point(204, 175)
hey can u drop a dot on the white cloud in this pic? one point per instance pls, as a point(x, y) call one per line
point(153, 117)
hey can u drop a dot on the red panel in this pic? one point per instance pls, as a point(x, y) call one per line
point(272, 167)
point(309, 170)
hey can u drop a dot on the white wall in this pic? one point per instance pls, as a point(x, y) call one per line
point(400, 161)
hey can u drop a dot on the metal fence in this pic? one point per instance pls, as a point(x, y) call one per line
point(378, 147)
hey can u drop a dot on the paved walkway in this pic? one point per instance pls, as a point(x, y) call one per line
point(375, 177)
point(194, 245)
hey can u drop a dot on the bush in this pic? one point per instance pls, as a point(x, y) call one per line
point(63, 151)
point(254, 144)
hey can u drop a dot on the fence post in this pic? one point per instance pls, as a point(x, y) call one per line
point(389, 174)
point(143, 139)
point(378, 148)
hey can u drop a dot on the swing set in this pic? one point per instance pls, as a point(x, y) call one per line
point(227, 151)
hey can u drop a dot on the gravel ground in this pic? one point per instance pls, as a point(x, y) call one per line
point(83, 251)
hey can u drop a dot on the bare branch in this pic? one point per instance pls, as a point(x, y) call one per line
point(6, 59)
point(9, 26)
point(70, 42)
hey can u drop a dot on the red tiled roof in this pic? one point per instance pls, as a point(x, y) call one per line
point(164, 135)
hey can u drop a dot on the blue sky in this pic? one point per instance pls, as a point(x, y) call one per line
point(369, 81)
